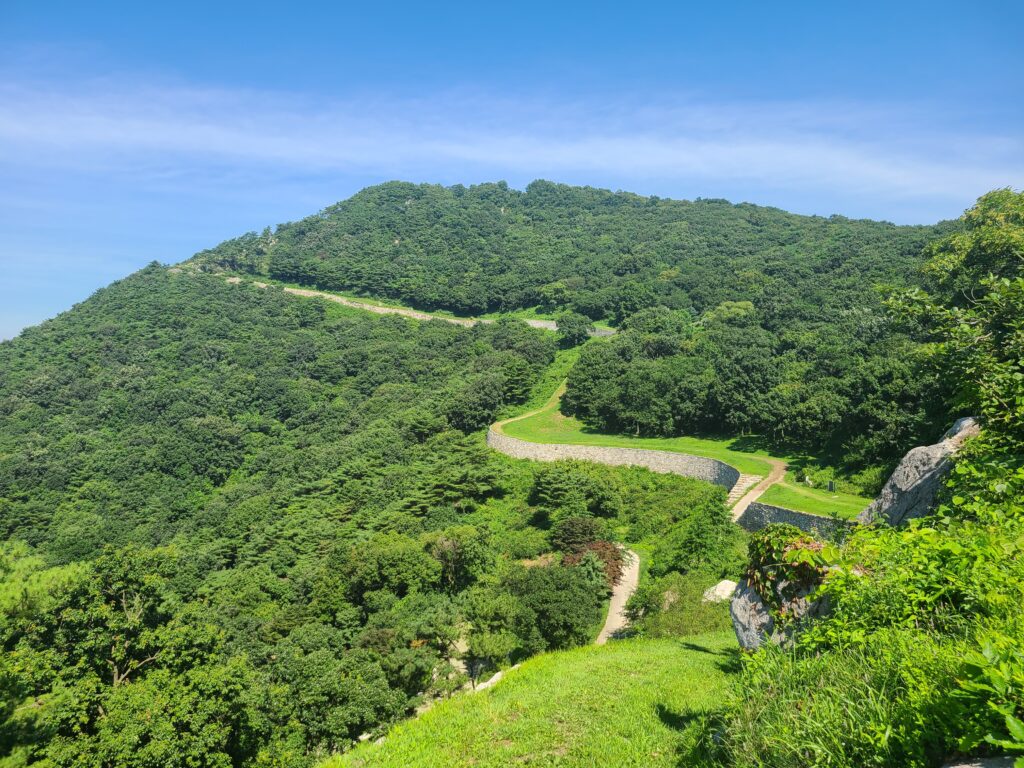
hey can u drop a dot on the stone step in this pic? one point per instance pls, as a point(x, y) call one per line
point(743, 484)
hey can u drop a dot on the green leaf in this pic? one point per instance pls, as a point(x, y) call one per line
point(1016, 729)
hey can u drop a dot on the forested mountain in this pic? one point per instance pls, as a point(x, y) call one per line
point(758, 321)
point(606, 255)
point(895, 647)
point(245, 528)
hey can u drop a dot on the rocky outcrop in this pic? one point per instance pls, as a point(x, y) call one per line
point(911, 490)
point(720, 592)
point(982, 762)
point(751, 619)
point(754, 622)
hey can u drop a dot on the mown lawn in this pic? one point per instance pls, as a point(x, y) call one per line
point(817, 501)
point(551, 426)
point(622, 704)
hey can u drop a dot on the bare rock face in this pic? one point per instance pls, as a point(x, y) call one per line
point(910, 491)
point(720, 592)
point(751, 619)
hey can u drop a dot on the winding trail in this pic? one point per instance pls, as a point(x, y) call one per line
point(745, 490)
point(414, 314)
point(499, 426)
point(617, 620)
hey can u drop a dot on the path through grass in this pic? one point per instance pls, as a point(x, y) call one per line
point(817, 501)
point(621, 704)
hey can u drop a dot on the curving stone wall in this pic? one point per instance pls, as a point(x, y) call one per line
point(709, 470)
point(757, 515)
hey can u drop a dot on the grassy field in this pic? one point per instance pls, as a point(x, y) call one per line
point(817, 501)
point(549, 425)
point(622, 704)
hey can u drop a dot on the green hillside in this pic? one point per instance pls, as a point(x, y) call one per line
point(244, 529)
point(738, 319)
point(623, 705)
point(488, 247)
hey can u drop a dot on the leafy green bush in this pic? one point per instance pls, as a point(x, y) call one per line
point(888, 704)
point(572, 534)
point(673, 606)
point(992, 683)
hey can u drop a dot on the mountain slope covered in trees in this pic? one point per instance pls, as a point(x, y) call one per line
point(745, 319)
point(244, 528)
point(491, 248)
point(914, 655)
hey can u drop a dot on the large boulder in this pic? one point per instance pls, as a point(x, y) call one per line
point(911, 490)
point(751, 619)
point(720, 592)
point(981, 762)
point(754, 623)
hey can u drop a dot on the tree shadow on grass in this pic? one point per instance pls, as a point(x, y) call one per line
point(677, 721)
point(729, 657)
point(695, 745)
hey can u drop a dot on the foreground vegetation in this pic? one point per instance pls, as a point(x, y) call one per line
point(245, 528)
point(622, 704)
point(919, 656)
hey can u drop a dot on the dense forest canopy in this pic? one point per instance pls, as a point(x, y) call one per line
point(491, 248)
point(245, 528)
point(745, 319)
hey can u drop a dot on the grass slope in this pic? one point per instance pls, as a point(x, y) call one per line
point(817, 501)
point(621, 704)
point(549, 425)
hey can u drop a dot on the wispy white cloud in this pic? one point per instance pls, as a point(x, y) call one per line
point(171, 131)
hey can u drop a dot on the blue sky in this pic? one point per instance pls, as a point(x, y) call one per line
point(138, 131)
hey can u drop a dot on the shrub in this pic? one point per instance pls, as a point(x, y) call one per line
point(705, 542)
point(674, 606)
point(573, 534)
point(608, 555)
point(888, 704)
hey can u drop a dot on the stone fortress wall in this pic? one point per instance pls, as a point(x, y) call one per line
point(757, 515)
point(709, 470)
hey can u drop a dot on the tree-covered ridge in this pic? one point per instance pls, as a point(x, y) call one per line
point(246, 528)
point(770, 323)
point(491, 248)
point(125, 415)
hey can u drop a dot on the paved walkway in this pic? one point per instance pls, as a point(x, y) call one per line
point(621, 593)
point(414, 314)
point(778, 473)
